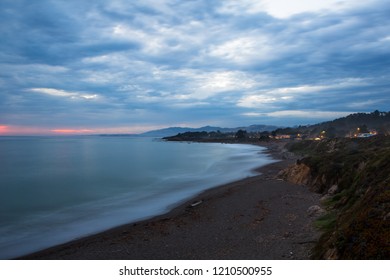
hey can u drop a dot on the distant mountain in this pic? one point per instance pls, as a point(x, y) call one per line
point(170, 131)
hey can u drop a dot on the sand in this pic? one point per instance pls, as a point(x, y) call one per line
point(260, 217)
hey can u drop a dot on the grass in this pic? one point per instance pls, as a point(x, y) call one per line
point(326, 222)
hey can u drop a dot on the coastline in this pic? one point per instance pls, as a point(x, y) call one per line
point(260, 217)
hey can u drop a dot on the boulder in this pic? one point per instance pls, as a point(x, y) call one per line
point(315, 211)
point(333, 189)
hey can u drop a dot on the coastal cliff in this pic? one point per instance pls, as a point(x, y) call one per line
point(353, 175)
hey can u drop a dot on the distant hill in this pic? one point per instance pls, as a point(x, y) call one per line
point(346, 126)
point(170, 131)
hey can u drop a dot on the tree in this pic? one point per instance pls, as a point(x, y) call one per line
point(264, 136)
point(241, 134)
point(376, 114)
point(363, 129)
point(331, 132)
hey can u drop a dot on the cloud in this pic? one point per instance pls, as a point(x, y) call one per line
point(192, 85)
point(364, 104)
point(261, 101)
point(309, 114)
point(63, 93)
point(288, 95)
point(244, 50)
point(205, 85)
point(149, 63)
point(284, 9)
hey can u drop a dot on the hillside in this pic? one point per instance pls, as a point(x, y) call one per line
point(346, 126)
point(353, 175)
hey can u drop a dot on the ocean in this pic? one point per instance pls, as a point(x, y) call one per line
point(56, 189)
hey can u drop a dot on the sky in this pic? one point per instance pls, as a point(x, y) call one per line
point(116, 66)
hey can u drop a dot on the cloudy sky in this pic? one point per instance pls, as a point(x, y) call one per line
point(117, 66)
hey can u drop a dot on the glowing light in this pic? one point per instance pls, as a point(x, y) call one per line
point(3, 129)
point(21, 130)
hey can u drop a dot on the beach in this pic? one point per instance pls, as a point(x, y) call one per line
point(260, 217)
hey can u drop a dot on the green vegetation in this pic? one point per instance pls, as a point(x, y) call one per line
point(326, 222)
point(241, 136)
point(357, 225)
point(356, 123)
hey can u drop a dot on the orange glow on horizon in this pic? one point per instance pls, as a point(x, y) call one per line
point(6, 130)
point(12, 130)
point(3, 129)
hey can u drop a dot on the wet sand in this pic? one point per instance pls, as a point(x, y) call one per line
point(260, 217)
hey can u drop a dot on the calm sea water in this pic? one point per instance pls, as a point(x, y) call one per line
point(55, 189)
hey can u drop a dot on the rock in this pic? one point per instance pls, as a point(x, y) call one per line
point(288, 155)
point(324, 198)
point(333, 189)
point(315, 211)
point(331, 254)
point(296, 174)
